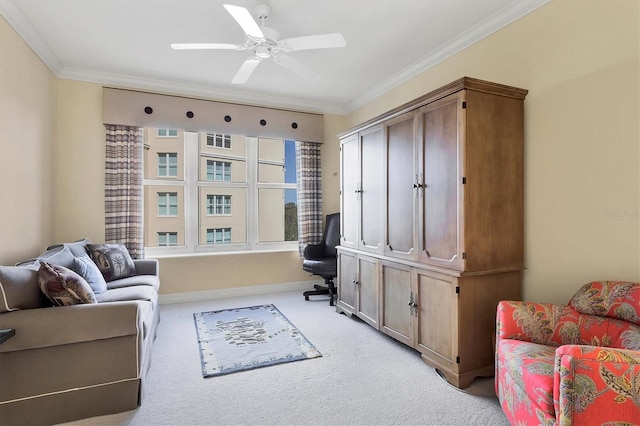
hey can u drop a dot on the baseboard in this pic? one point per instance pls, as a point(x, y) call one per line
point(194, 296)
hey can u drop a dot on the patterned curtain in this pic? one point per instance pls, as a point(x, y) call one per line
point(123, 188)
point(309, 179)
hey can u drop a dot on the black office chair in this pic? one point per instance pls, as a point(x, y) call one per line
point(321, 259)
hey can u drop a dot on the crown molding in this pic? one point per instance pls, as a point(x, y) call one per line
point(504, 17)
point(14, 17)
point(516, 10)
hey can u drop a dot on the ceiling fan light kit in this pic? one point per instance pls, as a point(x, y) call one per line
point(264, 43)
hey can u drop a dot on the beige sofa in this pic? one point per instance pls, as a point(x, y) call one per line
point(70, 362)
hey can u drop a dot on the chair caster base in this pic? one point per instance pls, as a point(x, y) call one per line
point(321, 290)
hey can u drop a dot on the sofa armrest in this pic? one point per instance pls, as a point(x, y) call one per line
point(541, 323)
point(147, 267)
point(595, 385)
point(39, 328)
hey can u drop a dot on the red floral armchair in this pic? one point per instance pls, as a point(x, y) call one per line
point(575, 364)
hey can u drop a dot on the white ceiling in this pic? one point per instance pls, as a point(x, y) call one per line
point(126, 43)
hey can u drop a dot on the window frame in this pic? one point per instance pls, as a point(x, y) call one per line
point(225, 173)
point(192, 187)
point(223, 232)
point(167, 235)
point(167, 204)
point(225, 204)
point(167, 133)
point(167, 164)
point(222, 137)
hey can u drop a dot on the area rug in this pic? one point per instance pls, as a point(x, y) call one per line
point(240, 339)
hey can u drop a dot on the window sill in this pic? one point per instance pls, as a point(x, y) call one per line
point(218, 253)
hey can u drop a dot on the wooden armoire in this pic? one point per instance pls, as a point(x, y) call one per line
point(432, 222)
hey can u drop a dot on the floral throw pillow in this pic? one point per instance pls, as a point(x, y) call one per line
point(113, 260)
point(63, 286)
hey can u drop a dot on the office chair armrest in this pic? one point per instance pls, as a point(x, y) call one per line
point(314, 251)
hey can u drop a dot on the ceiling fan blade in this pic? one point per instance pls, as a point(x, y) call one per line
point(321, 41)
point(298, 68)
point(245, 71)
point(199, 46)
point(245, 20)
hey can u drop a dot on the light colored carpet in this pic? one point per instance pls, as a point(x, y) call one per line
point(363, 378)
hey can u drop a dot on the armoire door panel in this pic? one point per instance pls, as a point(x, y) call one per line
point(347, 277)
point(437, 313)
point(441, 203)
point(350, 199)
point(397, 318)
point(401, 177)
point(371, 189)
point(368, 306)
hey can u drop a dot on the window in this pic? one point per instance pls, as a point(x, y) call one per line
point(167, 133)
point(167, 203)
point(220, 200)
point(167, 164)
point(166, 239)
point(218, 171)
point(218, 205)
point(277, 195)
point(219, 236)
point(218, 140)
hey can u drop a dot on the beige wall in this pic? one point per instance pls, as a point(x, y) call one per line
point(79, 167)
point(579, 61)
point(27, 126)
point(330, 162)
point(214, 272)
point(577, 58)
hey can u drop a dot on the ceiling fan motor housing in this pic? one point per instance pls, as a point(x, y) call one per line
point(262, 50)
point(266, 47)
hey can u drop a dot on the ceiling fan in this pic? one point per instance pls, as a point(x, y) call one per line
point(263, 42)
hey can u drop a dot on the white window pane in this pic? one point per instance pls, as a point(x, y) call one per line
point(232, 202)
point(219, 236)
point(290, 171)
point(277, 215)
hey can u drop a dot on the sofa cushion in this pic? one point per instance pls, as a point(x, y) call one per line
point(58, 255)
point(113, 260)
point(612, 299)
point(19, 288)
point(88, 270)
point(61, 256)
point(78, 248)
point(63, 286)
point(144, 280)
point(140, 292)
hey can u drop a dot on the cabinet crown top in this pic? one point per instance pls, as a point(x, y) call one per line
point(464, 83)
